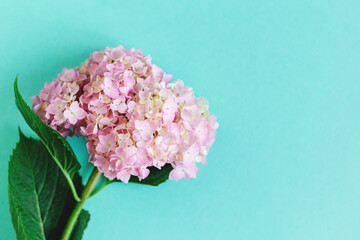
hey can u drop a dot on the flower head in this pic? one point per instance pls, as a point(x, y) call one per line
point(132, 116)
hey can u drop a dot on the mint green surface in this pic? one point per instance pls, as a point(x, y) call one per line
point(283, 77)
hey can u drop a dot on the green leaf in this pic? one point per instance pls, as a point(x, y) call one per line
point(37, 190)
point(80, 226)
point(57, 146)
point(69, 207)
point(156, 176)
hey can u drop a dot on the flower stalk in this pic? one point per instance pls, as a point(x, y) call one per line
point(79, 205)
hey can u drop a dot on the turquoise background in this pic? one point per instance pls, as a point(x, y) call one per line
point(282, 78)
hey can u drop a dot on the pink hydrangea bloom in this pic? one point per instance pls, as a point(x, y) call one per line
point(132, 116)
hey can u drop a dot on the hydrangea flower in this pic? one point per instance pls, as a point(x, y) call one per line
point(132, 116)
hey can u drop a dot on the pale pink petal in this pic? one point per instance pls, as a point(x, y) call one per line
point(74, 106)
point(124, 176)
point(81, 114)
point(177, 173)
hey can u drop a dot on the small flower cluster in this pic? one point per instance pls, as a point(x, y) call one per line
point(132, 117)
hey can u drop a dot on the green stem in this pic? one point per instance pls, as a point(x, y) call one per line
point(96, 191)
point(79, 205)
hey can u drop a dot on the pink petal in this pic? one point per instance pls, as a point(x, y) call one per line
point(102, 148)
point(124, 176)
point(74, 106)
point(81, 114)
point(177, 173)
point(168, 117)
